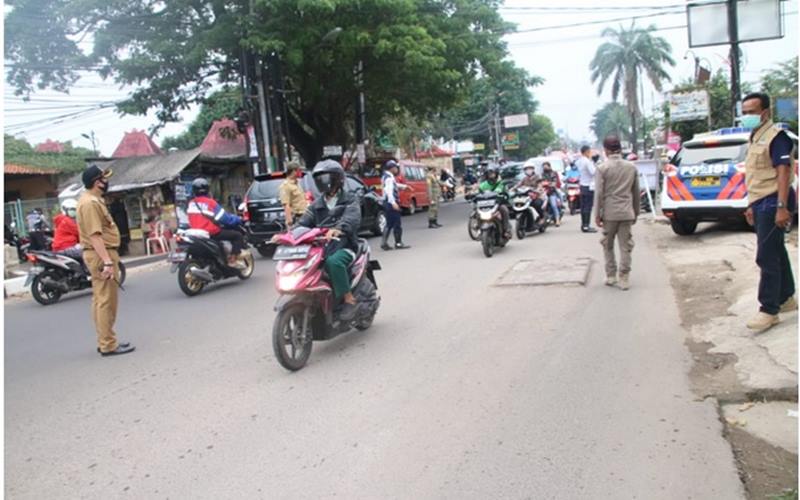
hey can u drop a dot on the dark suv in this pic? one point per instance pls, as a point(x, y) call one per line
point(264, 217)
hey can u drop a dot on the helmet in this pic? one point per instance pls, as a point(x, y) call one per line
point(632, 157)
point(492, 170)
point(328, 176)
point(390, 164)
point(69, 207)
point(529, 170)
point(200, 186)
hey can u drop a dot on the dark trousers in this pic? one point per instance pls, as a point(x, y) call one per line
point(394, 222)
point(235, 237)
point(38, 240)
point(777, 282)
point(587, 202)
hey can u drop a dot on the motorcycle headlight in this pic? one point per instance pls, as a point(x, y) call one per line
point(289, 282)
point(486, 215)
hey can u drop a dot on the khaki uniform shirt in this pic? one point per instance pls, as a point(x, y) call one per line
point(434, 189)
point(291, 194)
point(616, 191)
point(94, 218)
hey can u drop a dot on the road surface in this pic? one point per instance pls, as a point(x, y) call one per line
point(459, 390)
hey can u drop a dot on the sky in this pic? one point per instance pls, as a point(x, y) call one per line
point(561, 56)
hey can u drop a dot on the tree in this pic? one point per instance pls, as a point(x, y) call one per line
point(629, 54)
point(781, 81)
point(20, 152)
point(223, 103)
point(417, 55)
point(612, 118)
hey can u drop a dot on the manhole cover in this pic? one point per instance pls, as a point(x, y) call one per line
point(542, 272)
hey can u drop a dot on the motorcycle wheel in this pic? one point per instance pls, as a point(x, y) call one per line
point(473, 227)
point(42, 295)
point(188, 284)
point(522, 222)
point(368, 292)
point(249, 270)
point(286, 332)
point(543, 226)
point(487, 242)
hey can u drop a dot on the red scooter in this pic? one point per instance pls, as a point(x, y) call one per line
point(306, 307)
point(573, 197)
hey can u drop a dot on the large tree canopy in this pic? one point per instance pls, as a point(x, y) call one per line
point(611, 118)
point(417, 55)
point(220, 104)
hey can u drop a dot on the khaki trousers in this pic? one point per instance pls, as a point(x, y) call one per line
point(622, 230)
point(104, 299)
point(433, 209)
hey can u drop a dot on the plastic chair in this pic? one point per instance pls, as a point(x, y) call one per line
point(158, 237)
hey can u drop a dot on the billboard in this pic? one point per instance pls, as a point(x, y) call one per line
point(511, 140)
point(515, 121)
point(756, 20)
point(687, 106)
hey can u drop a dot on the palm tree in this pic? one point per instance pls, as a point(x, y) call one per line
point(623, 58)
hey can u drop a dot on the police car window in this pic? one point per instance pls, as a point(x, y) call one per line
point(701, 153)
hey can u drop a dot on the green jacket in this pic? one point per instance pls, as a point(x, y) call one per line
point(498, 187)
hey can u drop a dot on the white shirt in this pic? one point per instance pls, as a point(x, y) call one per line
point(587, 169)
point(388, 187)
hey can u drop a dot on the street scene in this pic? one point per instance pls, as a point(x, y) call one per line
point(407, 249)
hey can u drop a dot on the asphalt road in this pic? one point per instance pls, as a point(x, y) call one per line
point(459, 390)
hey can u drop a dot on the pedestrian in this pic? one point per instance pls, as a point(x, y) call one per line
point(616, 209)
point(100, 240)
point(771, 201)
point(391, 205)
point(37, 225)
point(434, 193)
point(587, 169)
point(292, 196)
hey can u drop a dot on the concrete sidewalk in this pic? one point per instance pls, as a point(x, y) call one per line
point(16, 286)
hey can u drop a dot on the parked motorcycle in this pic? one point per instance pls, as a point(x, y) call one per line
point(492, 233)
point(573, 197)
point(306, 306)
point(200, 260)
point(529, 218)
point(54, 274)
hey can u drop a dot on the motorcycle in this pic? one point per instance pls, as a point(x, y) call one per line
point(529, 218)
point(573, 197)
point(21, 244)
point(54, 274)
point(449, 190)
point(306, 306)
point(492, 233)
point(551, 190)
point(200, 260)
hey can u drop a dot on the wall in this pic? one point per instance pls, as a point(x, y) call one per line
point(29, 187)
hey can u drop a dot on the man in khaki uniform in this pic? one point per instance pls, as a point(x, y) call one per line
point(291, 195)
point(100, 240)
point(616, 205)
point(435, 194)
point(771, 201)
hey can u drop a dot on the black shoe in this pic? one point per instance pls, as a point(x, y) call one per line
point(401, 246)
point(431, 224)
point(347, 312)
point(386, 247)
point(123, 345)
point(436, 223)
point(589, 230)
point(119, 350)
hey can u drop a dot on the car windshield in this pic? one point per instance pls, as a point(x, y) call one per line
point(264, 189)
point(702, 153)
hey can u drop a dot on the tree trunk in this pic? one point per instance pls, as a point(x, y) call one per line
point(633, 131)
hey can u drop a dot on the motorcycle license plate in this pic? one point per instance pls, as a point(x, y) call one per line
point(175, 257)
point(32, 274)
point(291, 253)
point(485, 203)
point(705, 182)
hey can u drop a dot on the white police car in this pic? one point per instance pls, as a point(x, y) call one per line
point(705, 181)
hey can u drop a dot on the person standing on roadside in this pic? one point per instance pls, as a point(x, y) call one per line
point(391, 205)
point(435, 194)
point(587, 169)
point(616, 209)
point(771, 200)
point(292, 196)
point(100, 240)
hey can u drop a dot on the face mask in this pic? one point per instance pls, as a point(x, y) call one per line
point(104, 187)
point(751, 121)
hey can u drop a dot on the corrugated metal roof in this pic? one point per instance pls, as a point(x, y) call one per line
point(14, 169)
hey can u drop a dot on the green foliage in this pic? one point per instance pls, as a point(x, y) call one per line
point(535, 138)
point(20, 152)
point(418, 55)
point(221, 104)
point(611, 118)
point(623, 60)
point(781, 81)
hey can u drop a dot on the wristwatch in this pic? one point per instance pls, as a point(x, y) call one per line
point(108, 264)
point(781, 204)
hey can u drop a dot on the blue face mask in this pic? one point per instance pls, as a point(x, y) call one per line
point(751, 121)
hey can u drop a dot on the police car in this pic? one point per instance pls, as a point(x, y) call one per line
point(705, 181)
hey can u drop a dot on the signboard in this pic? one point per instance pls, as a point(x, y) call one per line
point(689, 106)
point(756, 20)
point(511, 140)
point(362, 154)
point(331, 151)
point(251, 139)
point(478, 146)
point(516, 121)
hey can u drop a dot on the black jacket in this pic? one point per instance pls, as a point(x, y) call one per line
point(345, 216)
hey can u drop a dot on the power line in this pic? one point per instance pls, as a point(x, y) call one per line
point(589, 23)
point(591, 9)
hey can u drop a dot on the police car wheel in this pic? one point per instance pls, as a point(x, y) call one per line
point(683, 227)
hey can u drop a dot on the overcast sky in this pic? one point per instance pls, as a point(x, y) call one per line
point(561, 56)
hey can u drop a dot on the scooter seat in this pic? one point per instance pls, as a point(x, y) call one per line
point(197, 233)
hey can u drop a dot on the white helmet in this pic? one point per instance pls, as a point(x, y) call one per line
point(69, 207)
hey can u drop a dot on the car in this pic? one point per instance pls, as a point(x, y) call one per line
point(264, 217)
point(556, 162)
point(411, 174)
point(706, 180)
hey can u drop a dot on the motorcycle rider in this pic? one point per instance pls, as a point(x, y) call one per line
point(37, 225)
point(205, 213)
point(532, 181)
point(66, 237)
point(573, 174)
point(494, 184)
point(551, 176)
point(339, 211)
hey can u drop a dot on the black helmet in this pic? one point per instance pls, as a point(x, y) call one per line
point(200, 186)
point(492, 170)
point(328, 176)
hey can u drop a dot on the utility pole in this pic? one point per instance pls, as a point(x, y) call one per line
point(498, 131)
point(733, 34)
point(361, 115)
